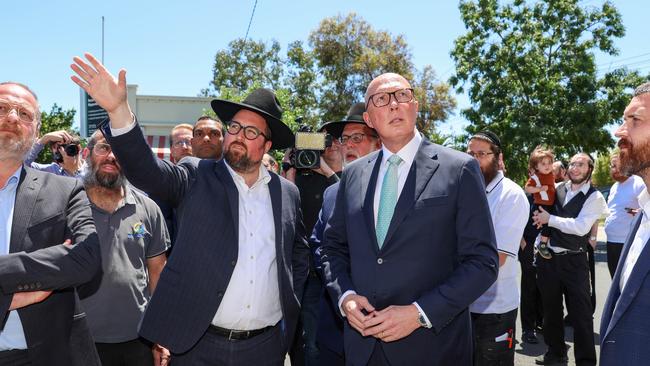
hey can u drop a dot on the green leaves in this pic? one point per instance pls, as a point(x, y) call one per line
point(530, 73)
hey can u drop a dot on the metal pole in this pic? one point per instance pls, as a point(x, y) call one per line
point(102, 39)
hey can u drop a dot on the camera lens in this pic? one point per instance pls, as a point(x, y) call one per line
point(71, 150)
point(307, 158)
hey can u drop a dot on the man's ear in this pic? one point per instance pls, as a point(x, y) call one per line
point(85, 152)
point(366, 118)
point(267, 146)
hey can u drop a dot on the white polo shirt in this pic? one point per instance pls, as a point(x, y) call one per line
point(509, 209)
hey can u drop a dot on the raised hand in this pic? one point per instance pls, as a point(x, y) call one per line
point(103, 87)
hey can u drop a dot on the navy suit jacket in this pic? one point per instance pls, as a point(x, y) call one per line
point(330, 323)
point(625, 323)
point(197, 273)
point(440, 251)
point(48, 210)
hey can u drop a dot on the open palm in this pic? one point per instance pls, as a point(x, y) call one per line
point(99, 83)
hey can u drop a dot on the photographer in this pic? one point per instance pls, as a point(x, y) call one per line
point(311, 183)
point(66, 152)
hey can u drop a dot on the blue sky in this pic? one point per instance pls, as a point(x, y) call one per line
point(168, 47)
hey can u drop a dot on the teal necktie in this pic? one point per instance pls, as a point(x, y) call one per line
point(387, 199)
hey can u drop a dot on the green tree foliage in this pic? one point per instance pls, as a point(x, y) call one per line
point(54, 120)
point(529, 70)
point(601, 176)
point(321, 80)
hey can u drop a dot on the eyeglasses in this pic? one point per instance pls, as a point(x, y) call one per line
point(383, 99)
point(250, 132)
point(101, 149)
point(212, 132)
point(182, 143)
point(25, 114)
point(355, 137)
point(577, 165)
point(479, 154)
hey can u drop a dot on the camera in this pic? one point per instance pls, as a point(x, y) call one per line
point(71, 149)
point(308, 148)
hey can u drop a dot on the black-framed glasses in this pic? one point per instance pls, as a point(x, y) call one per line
point(355, 137)
point(383, 99)
point(479, 154)
point(25, 114)
point(102, 149)
point(250, 132)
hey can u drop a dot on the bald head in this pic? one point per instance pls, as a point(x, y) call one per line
point(383, 79)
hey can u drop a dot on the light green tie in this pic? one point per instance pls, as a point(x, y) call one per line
point(387, 199)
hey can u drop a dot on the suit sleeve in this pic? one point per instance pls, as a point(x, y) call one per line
point(335, 255)
point(316, 238)
point(478, 261)
point(160, 179)
point(58, 266)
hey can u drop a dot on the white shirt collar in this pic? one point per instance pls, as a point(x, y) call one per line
point(495, 181)
point(644, 202)
point(584, 188)
point(407, 153)
point(263, 177)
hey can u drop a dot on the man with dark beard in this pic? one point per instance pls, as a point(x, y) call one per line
point(133, 240)
point(577, 207)
point(625, 324)
point(494, 314)
point(229, 292)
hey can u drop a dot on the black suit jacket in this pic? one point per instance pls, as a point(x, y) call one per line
point(197, 273)
point(440, 251)
point(48, 210)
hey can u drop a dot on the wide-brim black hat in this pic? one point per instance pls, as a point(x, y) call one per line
point(263, 102)
point(355, 115)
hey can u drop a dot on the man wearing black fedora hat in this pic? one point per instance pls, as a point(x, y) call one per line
point(357, 140)
point(229, 293)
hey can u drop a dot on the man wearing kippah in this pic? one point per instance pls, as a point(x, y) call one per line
point(494, 314)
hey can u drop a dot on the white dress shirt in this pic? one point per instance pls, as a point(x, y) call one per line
point(640, 239)
point(252, 299)
point(509, 209)
point(621, 196)
point(593, 208)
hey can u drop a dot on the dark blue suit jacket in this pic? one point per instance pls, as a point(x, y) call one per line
point(196, 276)
point(625, 323)
point(330, 323)
point(440, 251)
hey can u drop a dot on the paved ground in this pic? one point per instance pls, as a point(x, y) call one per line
point(525, 354)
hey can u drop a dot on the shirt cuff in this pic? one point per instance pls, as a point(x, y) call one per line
point(552, 221)
point(121, 131)
point(424, 315)
point(346, 293)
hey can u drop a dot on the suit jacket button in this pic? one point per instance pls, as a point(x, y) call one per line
point(20, 287)
point(38, 285)
point(32, 286)
point(233, 263)
point(380, 261)
point(220, 294)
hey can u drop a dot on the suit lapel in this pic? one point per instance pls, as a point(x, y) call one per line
point(276, 204)
point(26, 194)
point(424, 165)
point(368, 185)
point(620, 301)
point(232, 193)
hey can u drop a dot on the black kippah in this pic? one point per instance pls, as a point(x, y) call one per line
point(488, 136)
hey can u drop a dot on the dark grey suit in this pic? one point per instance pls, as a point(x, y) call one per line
point(197, 274)
point(48, 210)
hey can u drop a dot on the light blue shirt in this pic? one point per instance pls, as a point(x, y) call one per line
point(12, 336)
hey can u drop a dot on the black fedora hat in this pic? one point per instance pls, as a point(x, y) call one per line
point(355, 115)
point(263, 102)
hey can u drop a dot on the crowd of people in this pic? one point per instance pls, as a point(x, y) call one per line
point(391, 250)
